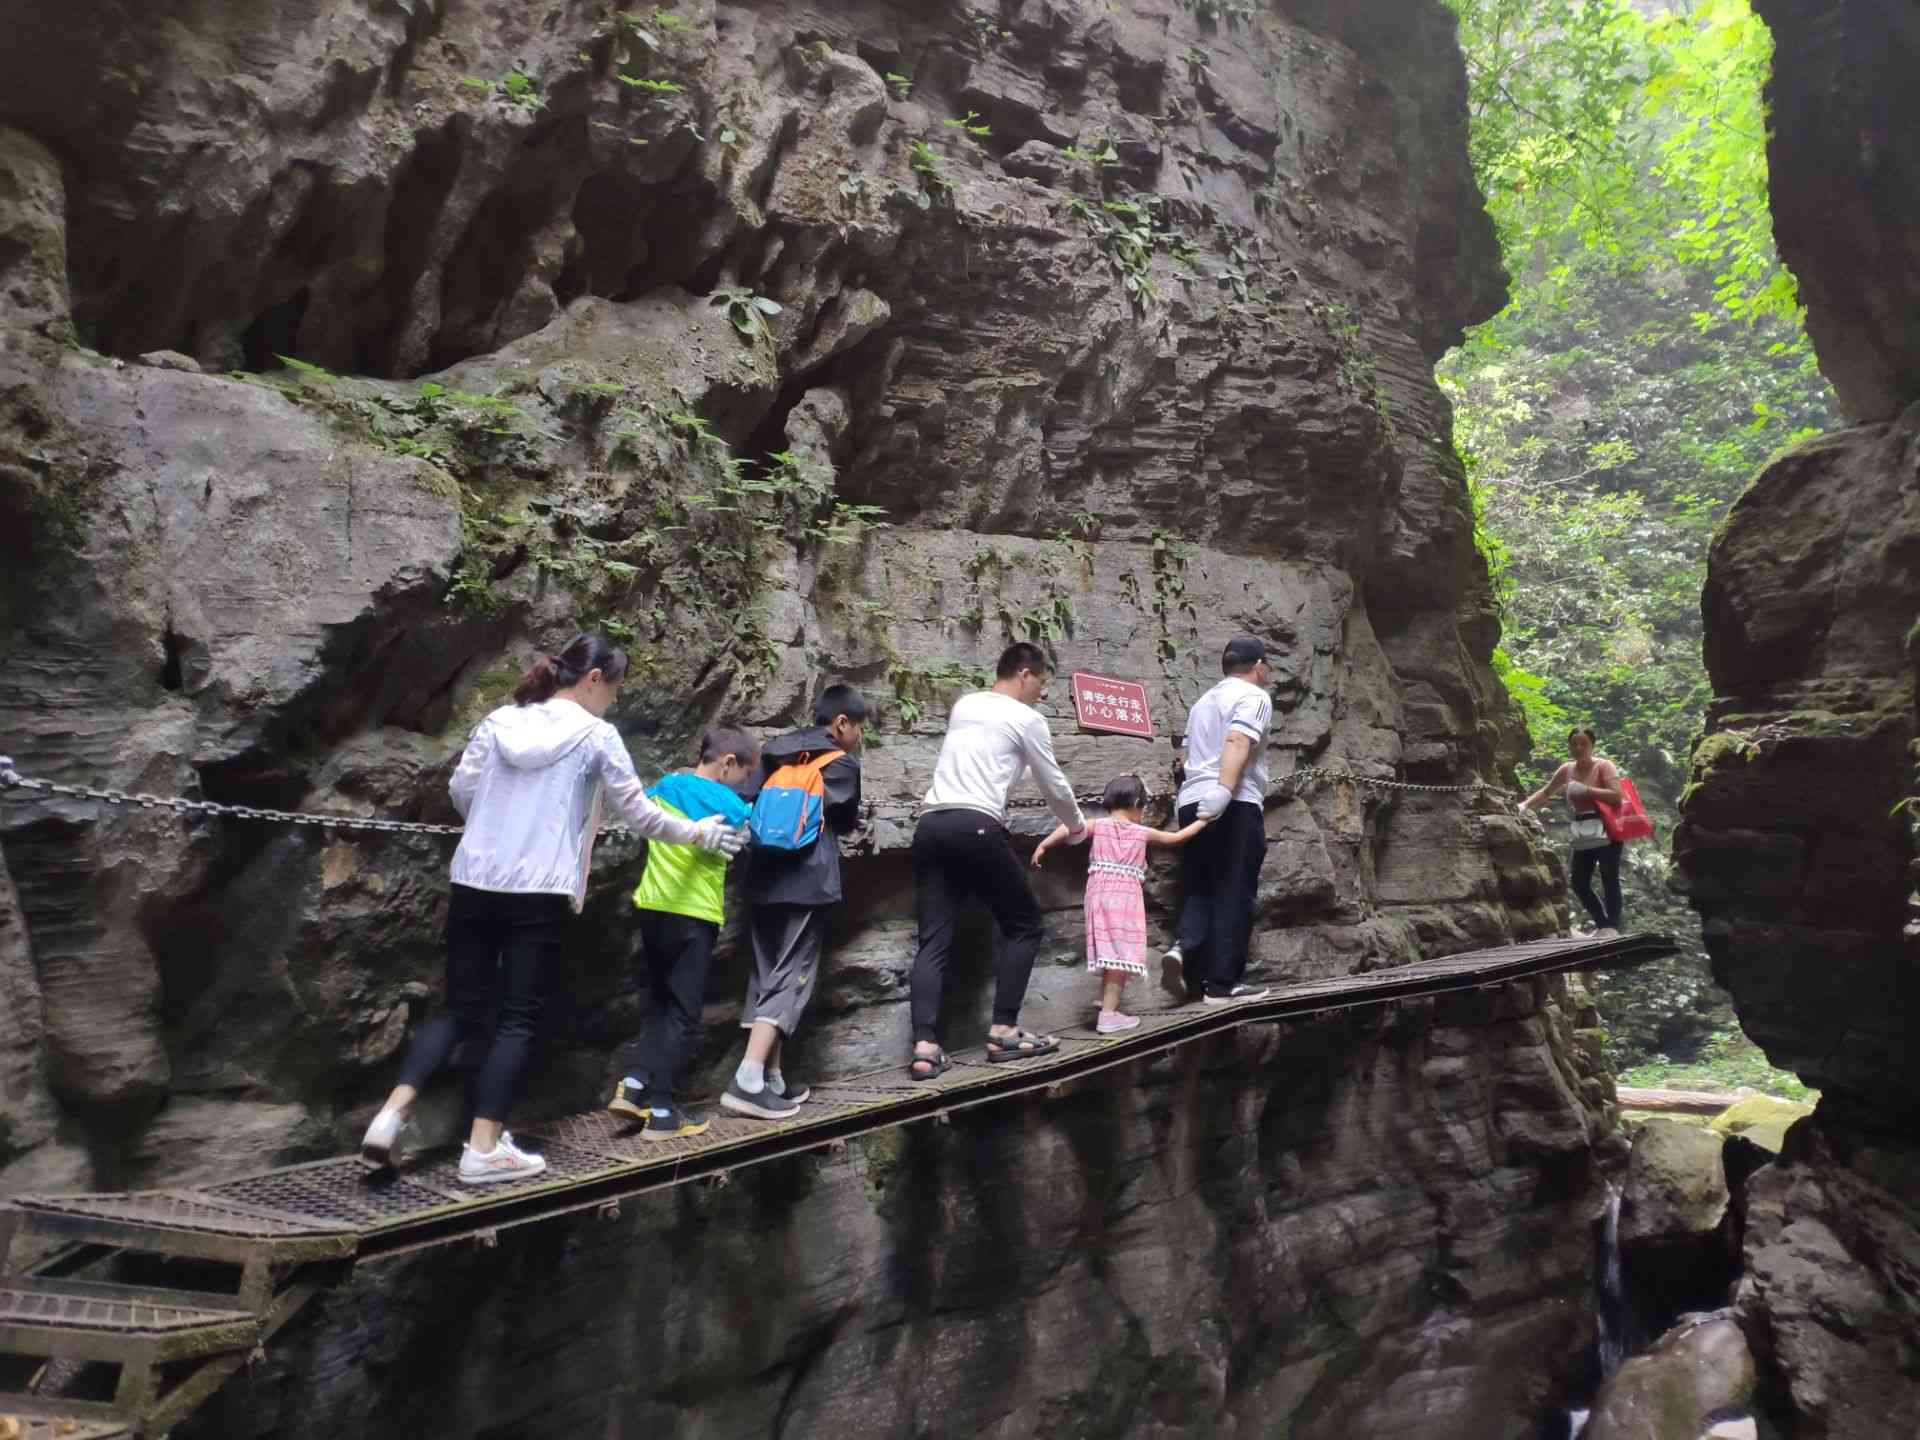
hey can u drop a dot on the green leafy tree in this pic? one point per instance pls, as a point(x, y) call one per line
point(1652, 358)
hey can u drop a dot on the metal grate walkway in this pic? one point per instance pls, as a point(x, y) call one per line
point(290, 1229)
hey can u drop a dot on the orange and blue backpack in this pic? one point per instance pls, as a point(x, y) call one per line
point(791, 806)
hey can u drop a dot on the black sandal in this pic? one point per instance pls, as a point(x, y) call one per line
point(937, 1065)
point(1021, 1045)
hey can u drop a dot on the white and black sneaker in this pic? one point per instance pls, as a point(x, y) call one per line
point(761, 1105)
point(1236, 995)
point(380, 1146)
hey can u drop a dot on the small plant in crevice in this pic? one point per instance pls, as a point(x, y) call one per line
point(746, 311)
point(900, 85)
point(653, 31)
point(852, 189)
point(1127, 233)
point(1213, 12)
point(1101, 157)
point(935, 187)
point(1167, 560)
point(516, 87)
point(985, 31)
point(968, 123)
point(919, 687)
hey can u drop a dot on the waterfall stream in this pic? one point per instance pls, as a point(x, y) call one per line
point(1609, 1303)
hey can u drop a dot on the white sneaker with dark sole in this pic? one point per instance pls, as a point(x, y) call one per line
point(1235, 996)
point(506, 1161)
point(380, 1146)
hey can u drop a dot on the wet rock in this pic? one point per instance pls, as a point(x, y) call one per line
point(1831, 1291)
point(1845, 188)
point(33, 237)
point(1695, 1380)
point(1675, 1192)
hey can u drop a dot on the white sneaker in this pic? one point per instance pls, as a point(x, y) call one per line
point(1606, 933)
point(1235, 996)
point(506, 1161)
point(381, 1143)
point(1173, 953)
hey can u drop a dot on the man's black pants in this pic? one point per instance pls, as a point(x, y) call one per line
point(1220, 873)
point(960, 855)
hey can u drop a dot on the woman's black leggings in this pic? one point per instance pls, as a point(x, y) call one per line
point(501, 951)
point(1608, 859)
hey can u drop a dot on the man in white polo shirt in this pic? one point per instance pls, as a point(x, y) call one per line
point(961, 851)
point(1220, 869)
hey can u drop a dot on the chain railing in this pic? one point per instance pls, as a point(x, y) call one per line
point(1287, 787)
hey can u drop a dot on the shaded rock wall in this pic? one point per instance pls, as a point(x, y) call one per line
point(290, 586)
point(1798, 845)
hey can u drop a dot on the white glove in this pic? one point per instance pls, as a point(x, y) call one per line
point(1214, 801)
point(1575, 790)
point(721, 838)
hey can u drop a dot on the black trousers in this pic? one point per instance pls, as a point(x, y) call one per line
point(501, 950)
point(1220, 876)
point(676, 950)
point(1607, 858)
point(960, 855)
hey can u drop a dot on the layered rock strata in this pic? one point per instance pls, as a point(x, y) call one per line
point(1106, 327)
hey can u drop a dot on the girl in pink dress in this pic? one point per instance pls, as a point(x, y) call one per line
point(1116, 906)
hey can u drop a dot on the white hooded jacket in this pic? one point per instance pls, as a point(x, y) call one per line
point(530, 785)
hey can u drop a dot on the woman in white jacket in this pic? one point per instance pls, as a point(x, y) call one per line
point(530, 785)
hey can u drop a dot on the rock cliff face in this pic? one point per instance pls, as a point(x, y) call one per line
point(1798, 844)
point(1106, 326)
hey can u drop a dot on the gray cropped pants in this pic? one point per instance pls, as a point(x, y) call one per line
point(787, 944)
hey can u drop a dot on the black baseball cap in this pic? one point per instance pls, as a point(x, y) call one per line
point(1243, 652)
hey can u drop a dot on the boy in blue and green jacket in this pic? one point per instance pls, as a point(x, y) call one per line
point(681, 900)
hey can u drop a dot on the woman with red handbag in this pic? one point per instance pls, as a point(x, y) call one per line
point(1589, 782)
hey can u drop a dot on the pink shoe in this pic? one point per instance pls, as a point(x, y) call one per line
point(1112, 1022)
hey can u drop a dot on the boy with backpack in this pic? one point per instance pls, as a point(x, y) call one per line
point(809, 795)
point(681, 900)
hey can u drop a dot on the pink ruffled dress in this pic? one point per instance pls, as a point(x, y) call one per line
point(1116, 905)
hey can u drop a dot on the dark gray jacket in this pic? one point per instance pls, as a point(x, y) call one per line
point(810, 876)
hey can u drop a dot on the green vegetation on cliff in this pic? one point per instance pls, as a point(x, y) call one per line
point(1652, 358)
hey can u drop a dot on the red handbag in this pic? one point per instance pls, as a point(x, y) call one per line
point(1628, 820)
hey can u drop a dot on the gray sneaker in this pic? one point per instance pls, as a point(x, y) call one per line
point(761, 1105)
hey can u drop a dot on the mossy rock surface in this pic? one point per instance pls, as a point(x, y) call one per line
point(1763, 1119)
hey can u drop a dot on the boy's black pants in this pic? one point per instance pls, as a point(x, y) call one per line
point(676, 950)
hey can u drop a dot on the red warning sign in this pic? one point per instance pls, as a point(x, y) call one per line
point(1118, 706)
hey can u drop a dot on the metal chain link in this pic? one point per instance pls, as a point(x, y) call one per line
point(1289, 785)
point(10, 779)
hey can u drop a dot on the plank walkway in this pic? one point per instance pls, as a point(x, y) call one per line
point(290, 1230)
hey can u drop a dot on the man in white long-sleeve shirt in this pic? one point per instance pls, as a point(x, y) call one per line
point(961, 851)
